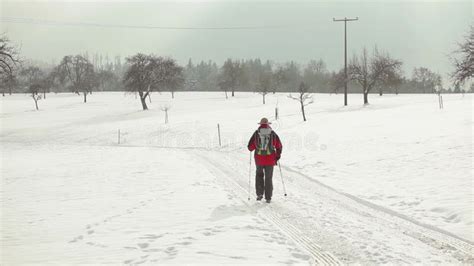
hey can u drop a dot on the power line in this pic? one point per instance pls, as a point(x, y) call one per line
point(124, 26)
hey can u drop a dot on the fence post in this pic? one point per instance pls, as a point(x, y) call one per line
point(219, 133)
point(119, 136)
point(440, 101)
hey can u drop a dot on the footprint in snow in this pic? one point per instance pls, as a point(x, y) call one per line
point(143, 245)
point(76, 239)
point(171, 251)
point(300, 256)
point(151, 236)
point(238, 257)
point(152, 250)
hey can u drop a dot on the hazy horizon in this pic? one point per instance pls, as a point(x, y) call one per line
point(418, 33)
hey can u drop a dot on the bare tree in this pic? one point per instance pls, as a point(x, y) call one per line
point(139, 76)
point(78, 73)
point(265, 83)
point(463, 59)
point(223, 85)
point(33, 78)
point(8, 82)
point(169, 75)
point(394, 80)
point(31, 74)
point(8, 57)
point(147, 73)
point(34, 90)
point(230, 76)
point(304, 97)
point(166, 74)
point(50, 81)
point(425, 79)
point(390, 80)
point(369, 71)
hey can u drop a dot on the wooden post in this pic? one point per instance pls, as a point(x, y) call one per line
point(219, 134)
point(119, 136)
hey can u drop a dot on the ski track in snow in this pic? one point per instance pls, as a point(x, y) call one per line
point(274, 216)
point(344, 219)
point(324, 226)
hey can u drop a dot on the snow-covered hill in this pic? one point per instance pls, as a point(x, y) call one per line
point(391, 182)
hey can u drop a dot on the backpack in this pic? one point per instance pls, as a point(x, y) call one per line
point(264, 141)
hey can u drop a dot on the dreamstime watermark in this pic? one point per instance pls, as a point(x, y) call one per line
point(204, 136)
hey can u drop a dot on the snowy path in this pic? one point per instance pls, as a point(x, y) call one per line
point(322, 220)
point(168, 195)
point(152, 212)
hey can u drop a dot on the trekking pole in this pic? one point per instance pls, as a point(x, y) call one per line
point(284, 189)
point(250, 171)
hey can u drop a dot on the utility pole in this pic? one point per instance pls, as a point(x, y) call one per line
point(345, 53)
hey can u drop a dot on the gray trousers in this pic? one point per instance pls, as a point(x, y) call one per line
point(263, 181)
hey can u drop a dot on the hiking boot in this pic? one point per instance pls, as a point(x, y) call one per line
point(268, 200)
point(259, 197)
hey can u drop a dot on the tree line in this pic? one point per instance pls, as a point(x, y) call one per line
point(369, 72)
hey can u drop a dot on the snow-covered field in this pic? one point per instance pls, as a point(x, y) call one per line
point(391, 182)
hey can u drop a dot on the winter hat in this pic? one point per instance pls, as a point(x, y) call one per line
point(264, 121)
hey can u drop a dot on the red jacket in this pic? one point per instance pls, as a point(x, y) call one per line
point(274, 152)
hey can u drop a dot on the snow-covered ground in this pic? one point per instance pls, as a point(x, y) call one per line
point(391, 182)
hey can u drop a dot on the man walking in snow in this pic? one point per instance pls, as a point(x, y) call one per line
point(268, 147)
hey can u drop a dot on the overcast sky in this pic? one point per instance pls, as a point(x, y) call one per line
point(419, 33)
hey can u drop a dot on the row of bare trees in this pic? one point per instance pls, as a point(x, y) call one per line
point(368, 72)
point(426, 80)
point(75, 73)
